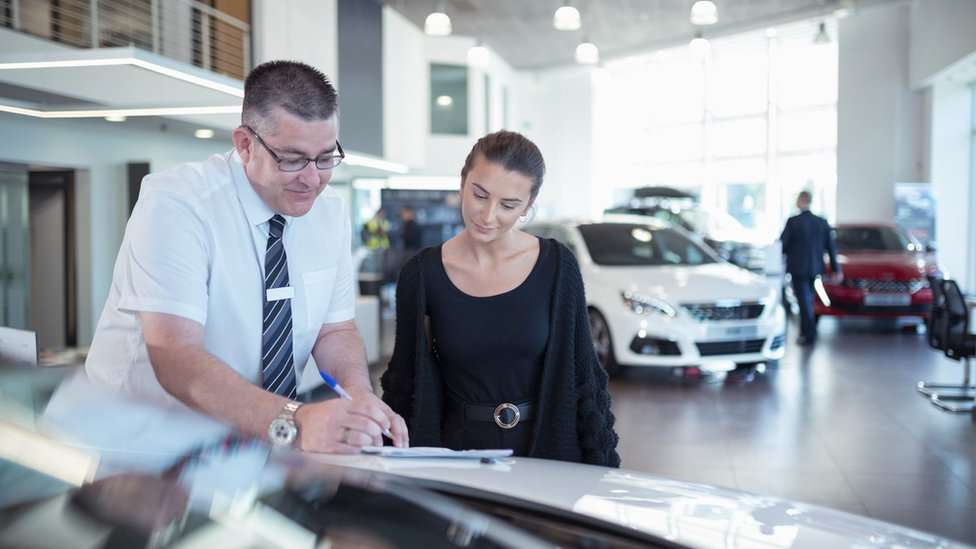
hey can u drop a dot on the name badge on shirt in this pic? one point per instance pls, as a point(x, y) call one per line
point(276, 294)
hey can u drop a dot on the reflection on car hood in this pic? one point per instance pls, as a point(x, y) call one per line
point(693, 515)
point(699, 284)
point(901, 265)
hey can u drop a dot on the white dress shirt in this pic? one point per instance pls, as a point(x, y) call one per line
point(194, 247)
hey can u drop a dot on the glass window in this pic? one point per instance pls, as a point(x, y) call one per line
point(745, 203)
point(625, 244)
point(750, 125)
point(738, 81)
point(740, 137)
point(448, 99)
point(807, 130)
point(806, 74)
point(812, 172)
point(488, 127)
point(672, 90)
point(669, 144)
point(676, 174)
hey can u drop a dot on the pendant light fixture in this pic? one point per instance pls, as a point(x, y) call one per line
point(566, 18)
point(438, 23)
point(704, 12)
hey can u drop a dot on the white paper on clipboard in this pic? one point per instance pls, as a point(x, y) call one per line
point(432, 452)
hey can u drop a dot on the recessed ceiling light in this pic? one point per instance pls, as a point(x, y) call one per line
point(115, 118)
point(445, 101)
point(203, 133)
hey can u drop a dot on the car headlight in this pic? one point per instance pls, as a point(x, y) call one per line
point(643, 305)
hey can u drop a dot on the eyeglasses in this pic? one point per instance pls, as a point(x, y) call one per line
point(324, 162)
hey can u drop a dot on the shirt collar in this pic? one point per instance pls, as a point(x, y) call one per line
point(255, 209)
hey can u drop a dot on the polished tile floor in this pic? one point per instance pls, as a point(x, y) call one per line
point(839, 425)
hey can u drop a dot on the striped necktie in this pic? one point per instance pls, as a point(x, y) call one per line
point(277, 361)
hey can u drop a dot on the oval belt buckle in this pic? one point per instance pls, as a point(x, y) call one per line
point(498, 415)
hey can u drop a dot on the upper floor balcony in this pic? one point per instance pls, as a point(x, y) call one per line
point(182, 59)
point(214, 35)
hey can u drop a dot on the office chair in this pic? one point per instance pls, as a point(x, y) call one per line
point(936, 326)
point(960, 345)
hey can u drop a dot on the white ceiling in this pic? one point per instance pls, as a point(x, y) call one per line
point(521, 31)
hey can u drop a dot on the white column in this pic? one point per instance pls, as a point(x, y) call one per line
point(952, 182)
point(304, 30)
point(879, 122)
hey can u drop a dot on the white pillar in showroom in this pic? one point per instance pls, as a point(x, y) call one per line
point(880, 120)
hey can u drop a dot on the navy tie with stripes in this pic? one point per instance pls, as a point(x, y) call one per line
point(277, 361)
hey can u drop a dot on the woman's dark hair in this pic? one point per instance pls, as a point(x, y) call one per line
point(512, 151)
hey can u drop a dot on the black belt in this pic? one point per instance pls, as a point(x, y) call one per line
point(506, 415)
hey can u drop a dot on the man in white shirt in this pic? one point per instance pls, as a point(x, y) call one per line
point(231, 273)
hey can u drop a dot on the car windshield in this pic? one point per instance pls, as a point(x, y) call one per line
point(631, 244)
point(871, 239)
point(712, 222)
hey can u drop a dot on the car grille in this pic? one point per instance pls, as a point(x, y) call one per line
point(730, 347)
point(711, 311)
point(887, 286)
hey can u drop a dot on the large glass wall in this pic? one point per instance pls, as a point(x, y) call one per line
point(746, 125)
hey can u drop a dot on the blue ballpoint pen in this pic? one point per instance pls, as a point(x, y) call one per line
point(334, 385)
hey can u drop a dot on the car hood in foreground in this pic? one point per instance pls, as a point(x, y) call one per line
point(688, 514)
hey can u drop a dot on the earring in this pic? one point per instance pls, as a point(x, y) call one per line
point(523, 218)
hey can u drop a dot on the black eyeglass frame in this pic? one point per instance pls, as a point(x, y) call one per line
point(335, 159)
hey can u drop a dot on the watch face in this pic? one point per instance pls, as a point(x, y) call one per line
point(282, 432)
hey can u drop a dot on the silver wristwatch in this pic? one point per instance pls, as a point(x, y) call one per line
point(284, 430)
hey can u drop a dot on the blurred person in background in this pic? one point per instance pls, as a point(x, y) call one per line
point(806, 238)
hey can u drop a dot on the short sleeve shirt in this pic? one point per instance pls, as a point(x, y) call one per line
point(194, 247)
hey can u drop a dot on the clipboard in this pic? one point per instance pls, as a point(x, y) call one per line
point(433, 452)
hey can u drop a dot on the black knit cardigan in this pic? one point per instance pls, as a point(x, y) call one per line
point(573, 419)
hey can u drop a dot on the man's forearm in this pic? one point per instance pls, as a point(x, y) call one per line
point(341, 354)
point(204, 383)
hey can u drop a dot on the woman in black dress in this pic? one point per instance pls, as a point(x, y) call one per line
point(492, 341)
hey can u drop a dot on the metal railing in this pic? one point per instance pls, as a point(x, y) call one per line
point(185, 30)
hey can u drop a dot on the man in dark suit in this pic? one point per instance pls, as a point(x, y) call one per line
point(805, 239)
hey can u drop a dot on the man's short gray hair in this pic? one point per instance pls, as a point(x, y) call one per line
point(297, 88)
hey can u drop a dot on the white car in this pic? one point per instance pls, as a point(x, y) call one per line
point(574, 505)
point(658, 296)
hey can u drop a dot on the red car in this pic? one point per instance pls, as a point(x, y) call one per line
point(885, 274)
